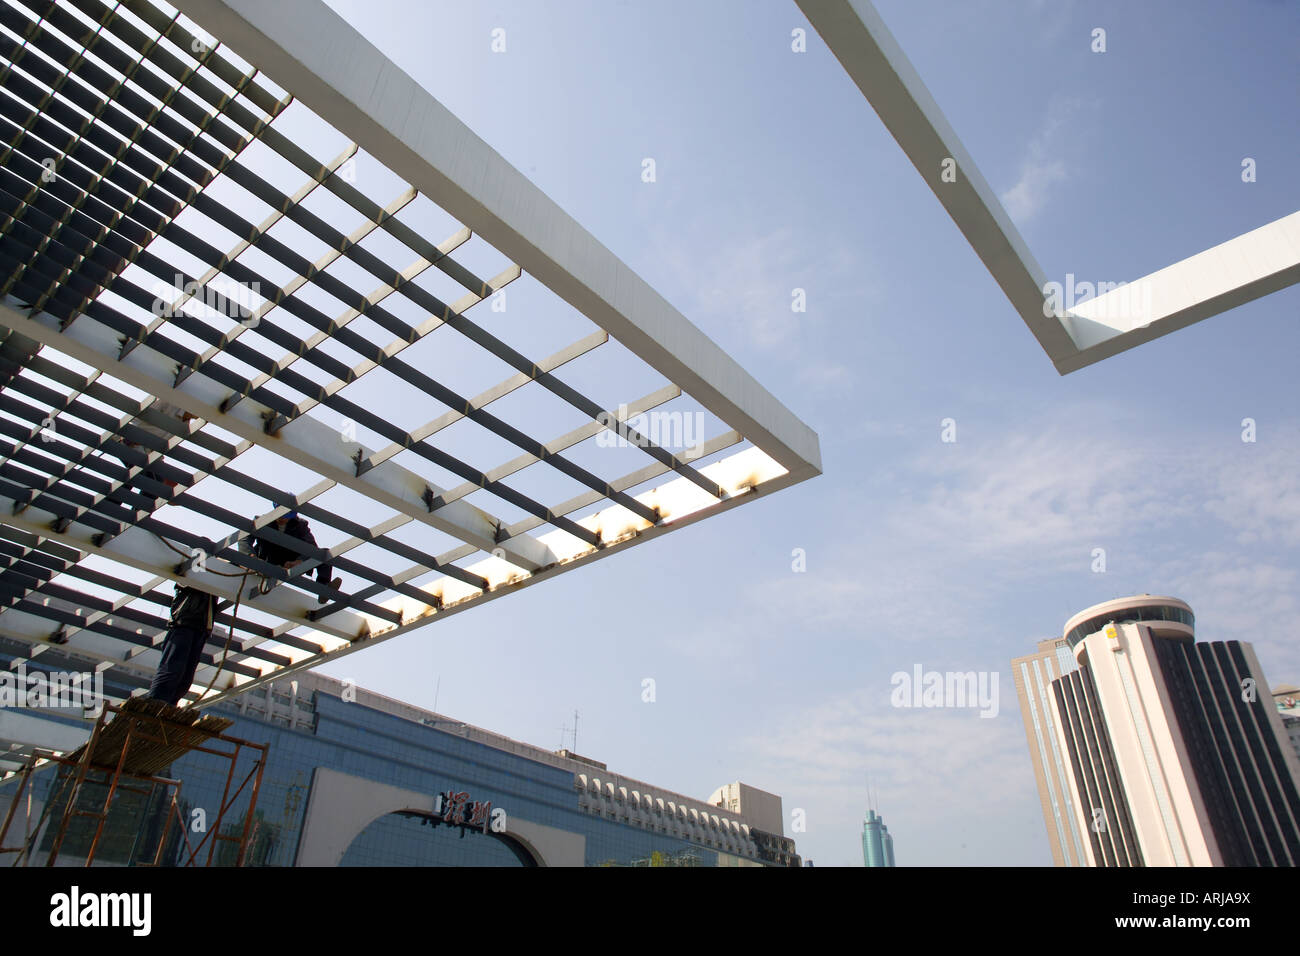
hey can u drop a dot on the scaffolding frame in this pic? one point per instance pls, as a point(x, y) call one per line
point(146, 729)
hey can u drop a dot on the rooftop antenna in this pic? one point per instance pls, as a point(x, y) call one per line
point(566, 728)
point(435, 694)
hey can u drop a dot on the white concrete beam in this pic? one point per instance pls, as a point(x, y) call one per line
point(858, 37)
point(1230, 274)
point(1219, 279)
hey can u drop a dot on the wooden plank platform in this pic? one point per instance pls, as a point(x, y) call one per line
point(183, 730)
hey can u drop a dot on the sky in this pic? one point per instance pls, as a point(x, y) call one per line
point(772, 173)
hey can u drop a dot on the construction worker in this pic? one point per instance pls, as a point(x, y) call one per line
point(192, 614)
point(294, 526)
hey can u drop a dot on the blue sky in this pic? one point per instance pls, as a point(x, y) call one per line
point(773, 173)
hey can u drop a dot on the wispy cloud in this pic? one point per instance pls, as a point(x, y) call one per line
point(747, 289)
point(749, 283)
point(949, 537)
point(1043, 493)
point(1257, 490)
point(1044, 166)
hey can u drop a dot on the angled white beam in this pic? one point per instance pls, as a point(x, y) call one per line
point(304, 46)
point(1216, 280)
point(858, 37)
point(1219, 279)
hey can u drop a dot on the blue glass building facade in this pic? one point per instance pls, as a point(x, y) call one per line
point(378, 742)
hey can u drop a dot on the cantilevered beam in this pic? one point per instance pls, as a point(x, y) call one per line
point(1206, 284)
point(1233, 273)
point(877, 65)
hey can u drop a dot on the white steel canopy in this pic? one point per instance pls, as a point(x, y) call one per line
point(210, 317)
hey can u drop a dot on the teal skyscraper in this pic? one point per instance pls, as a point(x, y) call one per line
point(877, 844)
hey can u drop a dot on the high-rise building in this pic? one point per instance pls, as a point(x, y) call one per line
point(1287, 699)
point(1178, 755)
point(877, 844)
point(1033, 675)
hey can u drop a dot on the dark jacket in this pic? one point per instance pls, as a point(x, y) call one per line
point(193, 608)
point(273, 553)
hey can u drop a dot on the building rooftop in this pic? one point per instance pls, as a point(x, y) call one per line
point(586, 771)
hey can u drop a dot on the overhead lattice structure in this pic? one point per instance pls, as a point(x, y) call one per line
point(248, 266)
